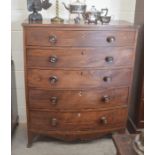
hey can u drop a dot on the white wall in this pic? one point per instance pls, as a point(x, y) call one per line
point(119, 9)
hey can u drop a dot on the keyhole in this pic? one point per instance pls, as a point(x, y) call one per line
point(81, 73)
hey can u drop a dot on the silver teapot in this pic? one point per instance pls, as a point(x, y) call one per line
point(93, 16)
point(76, 8)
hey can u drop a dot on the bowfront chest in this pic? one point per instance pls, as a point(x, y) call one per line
point(78, 78)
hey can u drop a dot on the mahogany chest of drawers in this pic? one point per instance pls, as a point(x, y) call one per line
point(78, 78)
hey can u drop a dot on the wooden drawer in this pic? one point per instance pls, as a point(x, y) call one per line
point(79, 57)
point(79, 79)
point(69, 99)
point(82, 120)
point(50, 37)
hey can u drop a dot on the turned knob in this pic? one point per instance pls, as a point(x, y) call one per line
point(107, 79)
point(109, 59)
point(53, 79)
point(54, 100)
point(104, 120)
point(53, 59)
point(111, 39)
point(52, 39)
point(106, 98)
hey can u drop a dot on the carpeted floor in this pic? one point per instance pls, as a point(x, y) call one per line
point(102, 146)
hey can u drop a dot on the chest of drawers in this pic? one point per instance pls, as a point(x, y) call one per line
point(78, 78)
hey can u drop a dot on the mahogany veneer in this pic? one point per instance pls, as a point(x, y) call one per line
point(80, 57)
point(78, 78)
point(40, 37)
point(88, 99)
point(61, 79)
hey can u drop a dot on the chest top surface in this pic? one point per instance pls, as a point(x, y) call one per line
point(68, 24)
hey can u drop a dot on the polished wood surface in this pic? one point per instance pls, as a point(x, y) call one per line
point(79, 57)
point(77, 121)
point(81, 99)
point(113, 25)
point(81, 79)
point(78, 78)
point(50, 37)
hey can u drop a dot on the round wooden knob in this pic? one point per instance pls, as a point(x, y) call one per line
point(109, 59)
point(111, 39)
point(52, 39)
point(107, 79)
point(106, 98)
point(54, 100)
point(53, 79)
point(104, 120)
point(53, 59)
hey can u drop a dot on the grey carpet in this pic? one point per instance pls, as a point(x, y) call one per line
point(102, 146)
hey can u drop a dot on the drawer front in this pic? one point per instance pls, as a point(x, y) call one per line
point(51, 37)
point(67, 99)
point(78, 120)
point(79, 79)
point(79, 57)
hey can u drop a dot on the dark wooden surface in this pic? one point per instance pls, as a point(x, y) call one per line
point(140, 118)
point(124, 144)
point(83, 94)
point(136, 119)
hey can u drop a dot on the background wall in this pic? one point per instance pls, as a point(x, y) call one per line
point(119, 9)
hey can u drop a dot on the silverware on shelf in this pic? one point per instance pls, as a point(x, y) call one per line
point(93, 16)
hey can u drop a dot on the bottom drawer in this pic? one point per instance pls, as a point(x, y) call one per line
point(75, 121)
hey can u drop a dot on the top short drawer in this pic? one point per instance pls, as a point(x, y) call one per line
point(66, 38)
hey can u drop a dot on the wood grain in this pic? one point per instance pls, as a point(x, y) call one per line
point(81, 99)
point(79, 57)
point(80, 79)
point(40, 37)
point(75, 121)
